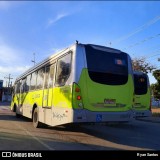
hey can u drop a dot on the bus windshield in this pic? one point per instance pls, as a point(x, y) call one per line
point(140, 84)
point(107, 67)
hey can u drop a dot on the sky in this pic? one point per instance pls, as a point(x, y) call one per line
point(42, 28)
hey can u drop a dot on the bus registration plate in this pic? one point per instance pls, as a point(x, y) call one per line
point(109, 102)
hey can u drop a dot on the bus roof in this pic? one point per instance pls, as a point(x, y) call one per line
point(40, 64)
point(139, 73)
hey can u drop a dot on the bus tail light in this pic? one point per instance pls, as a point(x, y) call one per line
point(77, 89)
point(78, 97)
point(77, 102)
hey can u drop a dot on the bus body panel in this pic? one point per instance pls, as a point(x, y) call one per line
point(142, 102)
point(62, 116)
point(62, 97)
point(99, 97)
point(142, 97)
point(26, 104)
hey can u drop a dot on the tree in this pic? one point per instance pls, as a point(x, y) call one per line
point(140, 64)
point(156, 87)
point(156, 75)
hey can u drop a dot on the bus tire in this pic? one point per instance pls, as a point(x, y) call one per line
point(18, 115)
point(15, 110)
point(36, 122)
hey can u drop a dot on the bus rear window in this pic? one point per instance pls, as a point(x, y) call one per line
point(107, 67)
point(140, 84)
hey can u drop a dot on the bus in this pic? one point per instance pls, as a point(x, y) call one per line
point(142, 97)
point(82, 83)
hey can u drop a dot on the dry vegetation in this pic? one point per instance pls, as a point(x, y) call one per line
point(156, 112)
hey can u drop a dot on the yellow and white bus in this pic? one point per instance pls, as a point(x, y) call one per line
point(142, 98)
point(82, 83)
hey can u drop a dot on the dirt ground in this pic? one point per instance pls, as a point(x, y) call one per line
point(155, 110)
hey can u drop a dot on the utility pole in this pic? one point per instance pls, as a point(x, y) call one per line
point(33, 59)
point(9, 78)
point(109, 44)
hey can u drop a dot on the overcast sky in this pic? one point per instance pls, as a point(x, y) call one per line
point(40, 27)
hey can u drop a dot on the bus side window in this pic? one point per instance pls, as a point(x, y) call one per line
point(40, 78)
point(49, 76)
point(63, 70)
point(46, 76)
point(27, 85)
point(23, 85)
point(15, 88)
point(33, 81)
point(18, 87)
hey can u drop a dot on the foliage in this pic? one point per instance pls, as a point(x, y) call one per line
point(156, 87)
point(140, 64)
point(156, 75)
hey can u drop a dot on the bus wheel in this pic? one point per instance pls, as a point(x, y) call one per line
point(36, 122)
point(14, 108)
point(17, 115)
